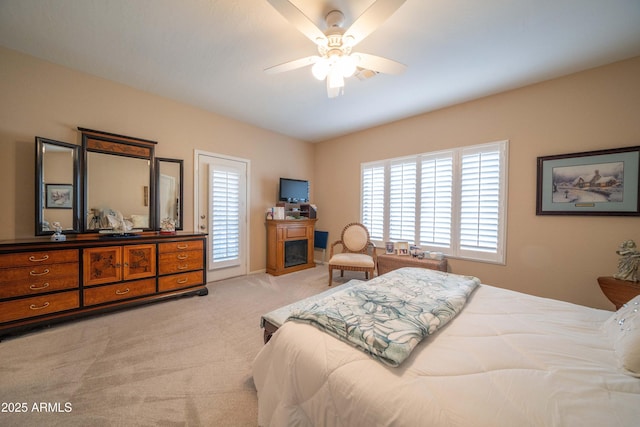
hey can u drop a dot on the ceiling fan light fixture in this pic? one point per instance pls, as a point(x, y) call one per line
point(348, 41)
point(335, 60)
point(320, 69)
point(347, 65)
point(335, 78)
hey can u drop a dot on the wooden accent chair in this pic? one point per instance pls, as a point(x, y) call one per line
point(358, 252)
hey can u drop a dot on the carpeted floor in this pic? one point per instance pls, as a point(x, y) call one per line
point(184, 362)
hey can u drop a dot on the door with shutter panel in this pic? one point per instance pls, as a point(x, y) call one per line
point(221, 209)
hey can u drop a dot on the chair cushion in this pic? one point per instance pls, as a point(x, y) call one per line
point(355, 237)
point(352, 260)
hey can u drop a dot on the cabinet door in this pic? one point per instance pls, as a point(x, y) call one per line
point(139, 261)
point(102, 265)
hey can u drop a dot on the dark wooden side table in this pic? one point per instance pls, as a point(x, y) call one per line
point(618, 291)
point(388, 262)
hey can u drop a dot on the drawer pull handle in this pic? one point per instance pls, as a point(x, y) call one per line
point(181, 247)
point(34, 273)
point(119, 292)
point(34, 259)
point(182, 281)
point(183, 267)
point(37, 288)
point(183, 257)
point(35, 307)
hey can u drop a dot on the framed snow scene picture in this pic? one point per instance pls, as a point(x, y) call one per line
point(59, 196)
point(603, 182)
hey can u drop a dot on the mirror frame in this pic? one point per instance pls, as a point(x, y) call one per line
point(118, 145)
point(159, 160)
point(39, 205)
point(106, 143)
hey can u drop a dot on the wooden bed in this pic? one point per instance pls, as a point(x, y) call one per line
point(506, 359)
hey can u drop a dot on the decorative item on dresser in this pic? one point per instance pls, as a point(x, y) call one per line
point(389, 262)
point(624, 285)
point(42, 282)
point(618, 291)
point(629, 261)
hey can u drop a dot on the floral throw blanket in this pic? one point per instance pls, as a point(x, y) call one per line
point(388, 316)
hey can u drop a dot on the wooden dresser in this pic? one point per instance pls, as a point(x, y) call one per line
point(42, 282)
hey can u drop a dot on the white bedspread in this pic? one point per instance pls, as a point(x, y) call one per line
point(508, 359)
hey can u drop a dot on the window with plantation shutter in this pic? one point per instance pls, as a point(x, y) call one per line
point(225, 215)
point(451, 201)
point(373, 201)
point(480, 200)
point(435, 200)
point(402, 201)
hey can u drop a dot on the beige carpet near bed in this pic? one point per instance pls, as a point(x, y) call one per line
point(182, 362)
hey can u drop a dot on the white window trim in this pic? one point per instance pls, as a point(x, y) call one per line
point(454, 251)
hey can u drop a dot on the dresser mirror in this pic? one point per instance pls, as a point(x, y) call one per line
point(119, 183)
point(170, 191)
point(57, 187)
point(112, 183)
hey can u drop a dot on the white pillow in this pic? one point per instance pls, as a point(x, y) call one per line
point(624, 327)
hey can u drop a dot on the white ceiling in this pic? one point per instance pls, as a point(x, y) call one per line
point(212, 53)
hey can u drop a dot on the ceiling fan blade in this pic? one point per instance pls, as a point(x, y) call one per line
point(378, 63)
point(292, 65)
point(371, 19)
point(299, 20)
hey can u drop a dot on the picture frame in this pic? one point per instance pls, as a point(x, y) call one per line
point(59, 196)
point(389, 247)
point(402, 248)
point(603, 182)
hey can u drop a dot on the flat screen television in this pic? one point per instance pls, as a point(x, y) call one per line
point(294, 190)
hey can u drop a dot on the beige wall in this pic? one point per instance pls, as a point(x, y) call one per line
point(42, 99)
point(552, 256)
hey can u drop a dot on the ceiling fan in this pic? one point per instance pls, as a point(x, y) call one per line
point(335, 60)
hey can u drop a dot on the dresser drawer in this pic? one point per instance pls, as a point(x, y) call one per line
point(120, 291)
point(23, 259)
point(39, 274)
point(190, 245)
point(179, 281)
point(38, 306)
point(37, 286)
point(176, 262)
